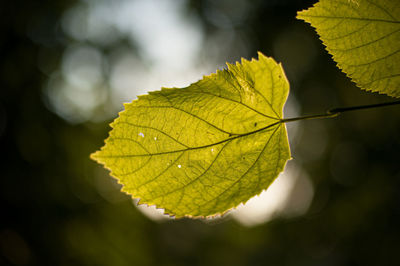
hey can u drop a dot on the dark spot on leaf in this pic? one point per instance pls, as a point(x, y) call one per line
point(255, 124)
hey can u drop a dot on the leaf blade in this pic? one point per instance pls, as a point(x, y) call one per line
point(363, 37)
point(201, 150)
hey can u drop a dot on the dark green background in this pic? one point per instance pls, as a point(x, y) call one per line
point(52, 213)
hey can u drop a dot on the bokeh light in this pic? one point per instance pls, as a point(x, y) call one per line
point(68, 66)
point(290, 195)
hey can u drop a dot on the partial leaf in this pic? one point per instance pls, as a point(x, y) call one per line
point(363, 36)
point(203, 149)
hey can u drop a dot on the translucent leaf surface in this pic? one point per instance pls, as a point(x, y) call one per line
point(363, 37)
point(203, 149)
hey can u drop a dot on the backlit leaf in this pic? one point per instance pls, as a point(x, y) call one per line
point(363, 36)
point(203, 149)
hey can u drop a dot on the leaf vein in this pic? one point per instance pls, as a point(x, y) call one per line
point(376, 60)
point(197, 177)
point(161, 173)
point(241, 103)
point(242, 176)
point(153, 128)
point(186, 112)
point(366, 44)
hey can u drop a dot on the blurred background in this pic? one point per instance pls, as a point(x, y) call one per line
point(68, 66)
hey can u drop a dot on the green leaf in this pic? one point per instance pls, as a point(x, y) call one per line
point(363, 36)
point(203, 149)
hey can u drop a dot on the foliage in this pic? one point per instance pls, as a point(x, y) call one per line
point(363, 37)
point(60, 208)
point(201, 150)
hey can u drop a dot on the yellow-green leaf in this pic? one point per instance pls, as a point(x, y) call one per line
point(203, 149)
point(363, 36)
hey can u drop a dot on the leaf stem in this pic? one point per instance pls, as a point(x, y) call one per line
point(334, 112)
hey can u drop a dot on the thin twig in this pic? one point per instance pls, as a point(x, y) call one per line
point(337, 111)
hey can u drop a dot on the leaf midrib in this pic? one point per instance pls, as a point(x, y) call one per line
point(190, 148)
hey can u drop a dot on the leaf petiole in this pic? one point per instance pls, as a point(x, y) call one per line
point(337, 111)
